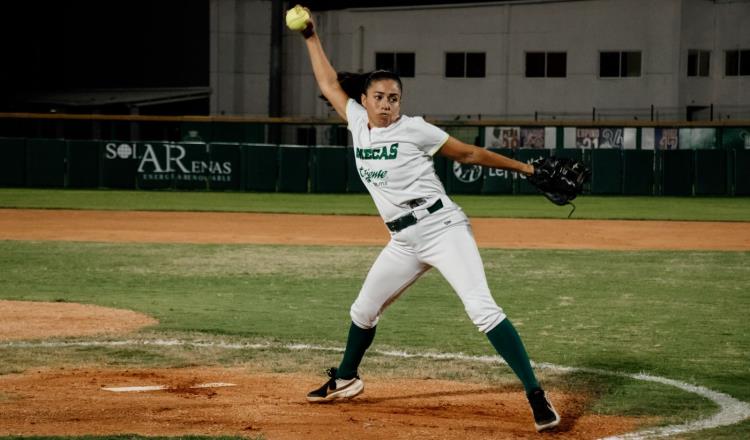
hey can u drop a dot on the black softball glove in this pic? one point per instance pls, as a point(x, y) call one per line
point(558, 178)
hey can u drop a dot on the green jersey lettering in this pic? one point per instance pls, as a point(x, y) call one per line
point(394, 151)
point(381, 153)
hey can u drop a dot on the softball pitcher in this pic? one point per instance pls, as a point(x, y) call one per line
point(394, 157)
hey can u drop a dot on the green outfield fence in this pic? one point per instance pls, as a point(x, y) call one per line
point(306, 155)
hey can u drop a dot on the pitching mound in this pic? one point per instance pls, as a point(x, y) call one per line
point(75, 402)
point(36, 320)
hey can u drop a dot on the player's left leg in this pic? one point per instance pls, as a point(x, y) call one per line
point(454, 253)
point(457, 258)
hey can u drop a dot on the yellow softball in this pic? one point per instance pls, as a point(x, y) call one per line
point(297, 18)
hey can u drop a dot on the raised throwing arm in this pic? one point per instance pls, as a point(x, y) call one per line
point(325, 74)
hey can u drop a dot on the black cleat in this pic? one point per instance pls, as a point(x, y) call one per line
point(336, 388)
point(545, 416)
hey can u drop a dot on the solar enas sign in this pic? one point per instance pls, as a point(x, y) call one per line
point(172, 159)
point(167, 164)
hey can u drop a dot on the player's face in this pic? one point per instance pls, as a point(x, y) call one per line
point(382, 102)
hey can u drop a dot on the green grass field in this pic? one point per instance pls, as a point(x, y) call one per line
point(679, 315)
point(533, 206)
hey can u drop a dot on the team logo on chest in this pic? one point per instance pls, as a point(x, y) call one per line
point(377, 153)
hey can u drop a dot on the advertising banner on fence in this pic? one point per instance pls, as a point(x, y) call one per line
point(498, 181)
point(587, 138)
point(736, 138)
point(514, 137)
point(611, 137)
point(697, 138)
point(666, 139)
point(532, 137)
point(502, 137)
point(156, 165)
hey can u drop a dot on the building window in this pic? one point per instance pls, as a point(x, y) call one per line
point(619, 64)
point(475, 65)
point(465, 65)
point(546, 64)
point(400, 63)
point(609, 64)
point(737, 62)
point(535, 64)
point(557, 64)
point(698, 62)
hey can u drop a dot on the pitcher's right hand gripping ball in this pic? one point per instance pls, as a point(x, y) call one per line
point(558, 178)
point(298, 19)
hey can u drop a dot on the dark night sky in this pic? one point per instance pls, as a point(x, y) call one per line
point(319, 5)
point(104, 44)
point(75, 44)
point(66, 45)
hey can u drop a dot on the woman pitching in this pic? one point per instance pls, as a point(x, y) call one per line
point(394, 158)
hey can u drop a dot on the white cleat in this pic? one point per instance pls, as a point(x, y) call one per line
point(336, 388)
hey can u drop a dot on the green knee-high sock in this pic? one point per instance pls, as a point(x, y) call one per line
point(508, 344)
point(356, 346)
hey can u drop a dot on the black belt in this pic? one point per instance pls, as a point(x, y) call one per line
point(411, 219)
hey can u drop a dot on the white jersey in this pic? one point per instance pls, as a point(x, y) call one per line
point(395, 162)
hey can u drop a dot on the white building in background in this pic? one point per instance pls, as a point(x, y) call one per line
point(521, 59)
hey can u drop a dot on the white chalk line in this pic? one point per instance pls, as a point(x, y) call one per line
point(144, 388)
point(731, 410)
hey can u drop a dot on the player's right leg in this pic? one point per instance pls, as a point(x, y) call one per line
point(395, 269)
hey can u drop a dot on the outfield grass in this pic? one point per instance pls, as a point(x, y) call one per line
point(679, 315)
point(588, 207)
point(631, 311)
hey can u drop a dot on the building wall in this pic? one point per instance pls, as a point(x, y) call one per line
point(240, 40)
point(584, 29)
point(718, 27)
point(662, 31)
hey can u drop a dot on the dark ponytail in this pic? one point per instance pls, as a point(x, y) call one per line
point(355, 84)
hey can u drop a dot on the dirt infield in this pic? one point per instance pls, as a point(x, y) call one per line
point(24, 320)
point(192, 227)
point(73, 402)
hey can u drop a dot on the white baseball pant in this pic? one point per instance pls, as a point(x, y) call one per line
point(444, 240)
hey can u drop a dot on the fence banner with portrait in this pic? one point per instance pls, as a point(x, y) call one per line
point(666, 139)
point(587, 138)
point(502, 137)
point(532, 137)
